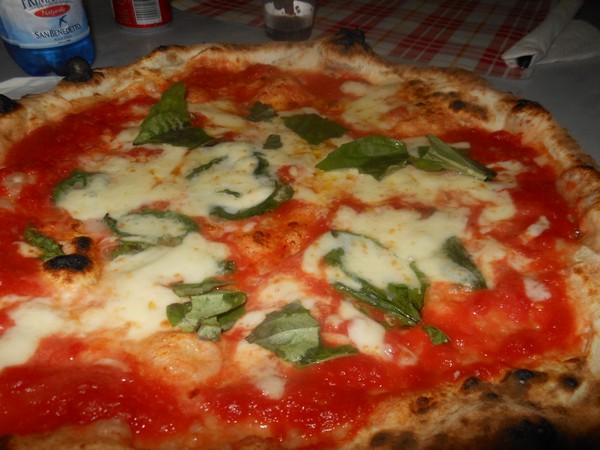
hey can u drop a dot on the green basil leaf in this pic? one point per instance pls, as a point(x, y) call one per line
point(227, 266)
point(190, 289)
point(77, 179)
point(313, 128)
point(273, 142)
point(281, 193)
point(188, 136)
point(228, 319)
point(262, 166)
point(390, 300)
point(456, 161)
point(427, 165)
point(209, 311)
point(176, 313)
point(454, 249)
point(210, 329)
point(163, 228)
point(398, 301)
point(169, 122)
point(204, 167)
point(322, 353)
point(230, 192)
point(436, 336)
point(294, 335)
point(372, 155)
point(48, 247)
point(130, 248)
point(259, 112)
point(215, 303)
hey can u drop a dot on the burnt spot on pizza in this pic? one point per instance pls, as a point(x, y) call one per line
point(526, 376)
point(7, 104)
point(529, 433)
point(490, 395)
point(4, 442)
point(348, 38)
point(73, 263)
point(517, 381)
point(471, 384)
point(457, 105)
point(402, 440)
point(421, 405)
point(78, 70)
point(569, 382)
point(194, 393)
point(461, 105)
point(523, 104)
point(82, 244)
point(260, 238)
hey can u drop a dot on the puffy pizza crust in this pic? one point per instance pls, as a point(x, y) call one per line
point(552, 404)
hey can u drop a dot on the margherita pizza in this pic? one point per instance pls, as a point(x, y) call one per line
point(294, 246)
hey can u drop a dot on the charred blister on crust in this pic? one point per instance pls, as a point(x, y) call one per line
point(536, 433)
point(7, 104)
point(422, 405)
point(402, 440)
point(73, 263)
point(461, 105)
point(471, 384)
point(525, 376)
point(569, 382)
point(82, 244)
point(347, 38)
point(489, 395)
point(524, 104)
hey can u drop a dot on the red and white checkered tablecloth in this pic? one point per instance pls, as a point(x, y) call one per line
point(471, 34)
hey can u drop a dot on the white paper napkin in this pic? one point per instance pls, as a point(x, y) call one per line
point(16, 88)
point(557, 38)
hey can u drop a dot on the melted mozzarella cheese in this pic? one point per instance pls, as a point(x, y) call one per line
point(131, 298)
point(535, 229)
point(365, 334)
point(34, 320)
point(230, 182)
point(135, 287)
point(369, 109)
point(404, 236)
point(126, 185)
point(536, 290)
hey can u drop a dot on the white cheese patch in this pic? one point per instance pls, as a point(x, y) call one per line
point(404, 237)
point(535, 229)
point(488, 251)
point(126, 185)
point(536, 290)
point(151, 227)
point(163, 177)
point(131, 298)
point(135, 287)
point(34, 319)
point(369, 110)
point(261, 367)
point(367, 335)
point(230, 183)
point(221, 117)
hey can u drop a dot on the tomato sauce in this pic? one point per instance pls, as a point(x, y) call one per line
point(506, 328)
point(42, 159)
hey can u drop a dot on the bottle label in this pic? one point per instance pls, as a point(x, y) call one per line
point(42, 23)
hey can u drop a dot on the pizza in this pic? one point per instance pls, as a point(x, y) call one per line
point(294, 245)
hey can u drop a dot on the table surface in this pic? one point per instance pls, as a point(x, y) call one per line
point(570, 91)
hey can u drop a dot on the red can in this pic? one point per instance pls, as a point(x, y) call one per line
point(142, 14)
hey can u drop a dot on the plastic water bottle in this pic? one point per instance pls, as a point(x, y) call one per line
point(43, 35)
